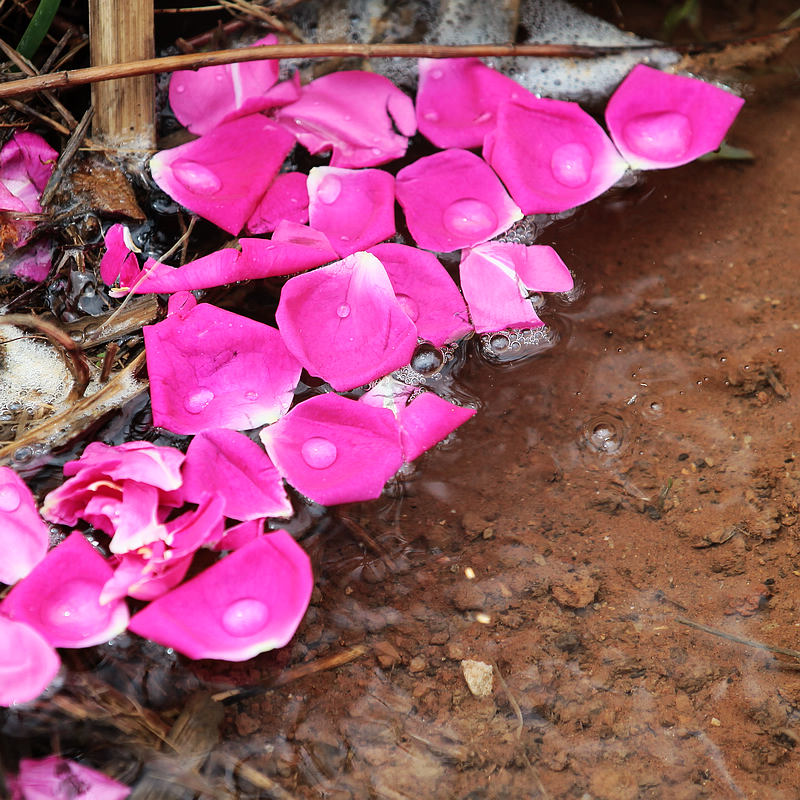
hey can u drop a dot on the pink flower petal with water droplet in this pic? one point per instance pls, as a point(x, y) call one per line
point(56, 778)
point(344, 323)
point(119, 260)
point(551, 154)
point(211, 368)
point(216, 175)
point(659, 120)
point(239, 535)
point(28, 663)
point(203, 98)
point(355, 115)
point(426, 292)
point(235, 468)
point(335, 450)
point(24, 537)
point(286, 199)
point(60, 597)
point(26, 164)
point(249, 602)
point(452, 199)
point(353, 208)
point(457, 100)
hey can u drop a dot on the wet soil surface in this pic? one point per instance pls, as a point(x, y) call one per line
point(640, 476)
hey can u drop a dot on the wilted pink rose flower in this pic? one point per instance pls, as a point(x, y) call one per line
point(457, 100)
point(60, 598)
point(497, 278)
point(353, 208)
point(335, 450)
point(28, 663)
point(551, 154)
point(344, 324)
point(119, 261)
point(286, 199)
point(24, 537)
point(216, 175)
point(56, 778)
point(452, 199)
point(249, 602)
point(211, 368)
point(203, 98)
point(362, 117)
point(660, 120)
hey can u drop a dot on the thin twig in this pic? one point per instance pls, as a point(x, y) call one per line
point(783, 651)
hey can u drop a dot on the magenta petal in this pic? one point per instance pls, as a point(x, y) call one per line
point(24, 537)
point(344, 323)
point(264, 258)
point(249, 602)
point(33, 262)
point(145, 574)
point(335, 450)
point(60, 598)
point(217, 177)
point(660, 120)
point(452, 199)
point(426, 420)
point(210, 368)
point(353, 208)
point(239, 535)
point(56, 778)
point(457, 100)
point(551, 154)
point(119, 260)
point(355, 115)
point(426, 292)
point(26, 164)
point(235, 468)
point(203, 98)
point(28, 663)
point(194, 529)
point(286, 198)
point(215, 269)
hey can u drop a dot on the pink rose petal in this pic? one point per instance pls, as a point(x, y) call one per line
point(132, 517)
point(353, 208)
point(361, 116)
point(249, 602)
point(239, 535)
point(144, 574)
point(24, 537)
point(210, 368)
point(119, 261)
point(28, 663)
point(302, 250)
point(26, 164)
point(452, 199)
point(56, 778)
point(32, 262)
point(426, 292)
point(217, 177)
point(344, 323)
point(235, 468)
point(60, 597)
point(203, 98)
point(214, 269)
point(335, 450)
point(286, 199)
point(551, 154)
point(195, 529)
point(457, 100)
point(660, 120)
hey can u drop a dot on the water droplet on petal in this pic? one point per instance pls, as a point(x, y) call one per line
point(10, 498)
point(318, 452)
point(75, 607)
point(470, 217)
point(571, 164)
point(196, 177)
point(431, 116)
point(409, 306)
point(251, 395)
point(427, 359)
point(662, 136)
point(195, 402)
point(437, 73)
point(245, 617)
point(343, 312)
point(329, 189)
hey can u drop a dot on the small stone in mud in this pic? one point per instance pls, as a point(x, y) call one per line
point(574, 589)
point(417, 664)
point(478, 676)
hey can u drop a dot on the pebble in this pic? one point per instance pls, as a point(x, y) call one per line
point(478, 676)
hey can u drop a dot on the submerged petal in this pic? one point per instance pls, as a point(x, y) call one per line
point(24, 537)
point(335, 450)
point(353, 208)
point(361, 116)
point(56, 778)
point(249, 602)
point(28, 663)
point(344, 323)
point(211, 368)
point(551, 154)
point(452, 199)
point(660, 120)
point(216, 176)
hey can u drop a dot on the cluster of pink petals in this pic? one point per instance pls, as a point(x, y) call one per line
point(56, 778)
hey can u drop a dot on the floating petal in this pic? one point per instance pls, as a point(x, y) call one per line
point(215, 269)
point(659, 120)
point(426, 420)
point(335, 450)
point(362, 117)
point(24, 537)
point(551, 154)
point(286, 199)
point(344, 323)
point(56, 778)
point(452, 199)
point(28, 663)
point(249, 602)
